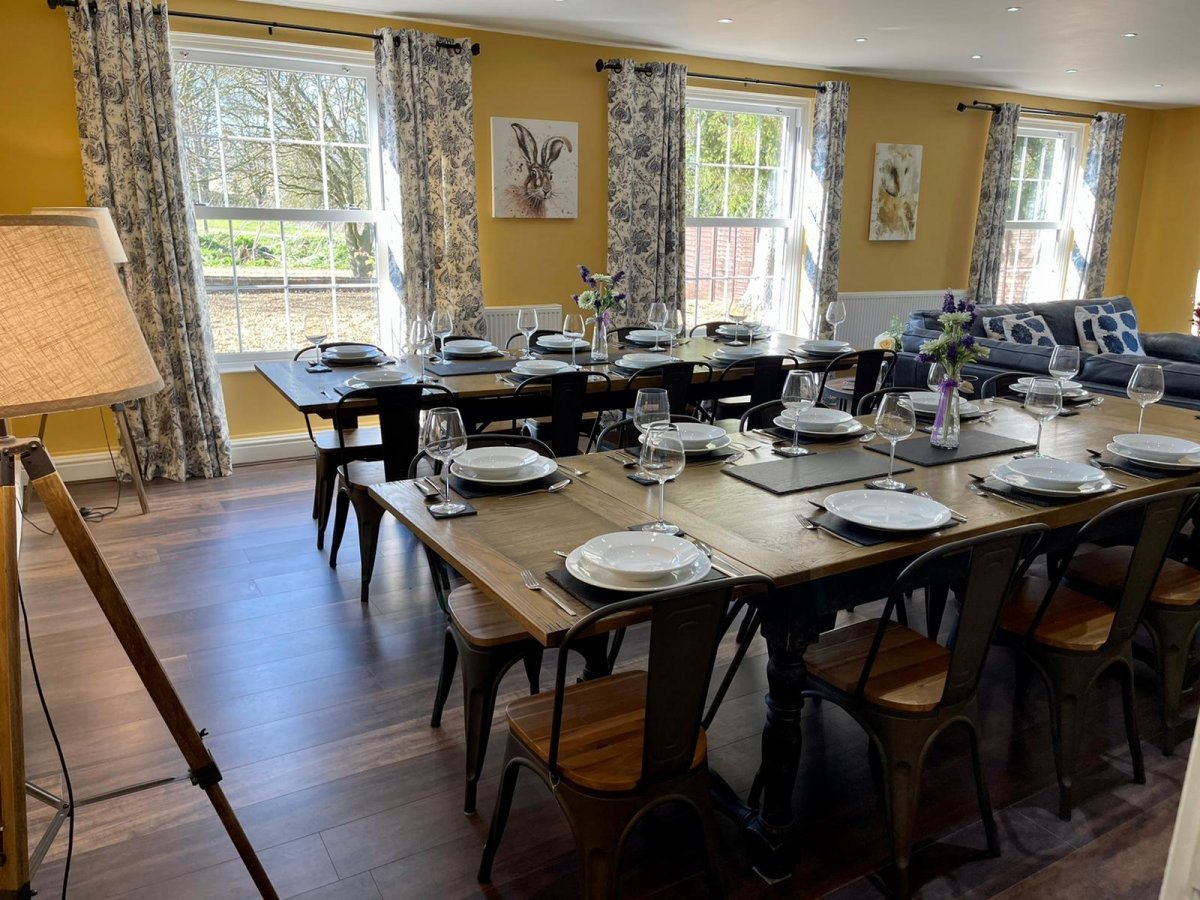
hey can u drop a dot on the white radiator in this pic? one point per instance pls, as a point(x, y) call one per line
point(501, 321)
point(869, 313)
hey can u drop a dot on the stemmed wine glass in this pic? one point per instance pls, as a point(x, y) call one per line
point(799, 393)
point(662, 458)
point(835, 315)
point(652, 407)
point(935, 376)
point(442, 325)
point(527, 324)
point(657, 317)
point(676, 324)
point(1064, 364)
point(573, 329)
point(316, 329)
point(420, 341)
point(1043, 401)
point(736, 312)
point(895, 421)
point(1145, 387)
point(444, 438)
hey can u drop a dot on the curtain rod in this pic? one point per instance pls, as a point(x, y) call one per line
point(270, 26)
point(992, 107)
point(647, 68)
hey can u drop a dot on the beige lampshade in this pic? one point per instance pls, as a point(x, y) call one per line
point(68, 338)
point(103, 218)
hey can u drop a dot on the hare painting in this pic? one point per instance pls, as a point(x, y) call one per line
point(535, 172)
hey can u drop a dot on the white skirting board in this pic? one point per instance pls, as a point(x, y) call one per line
point(869, 313)
point(263, 448)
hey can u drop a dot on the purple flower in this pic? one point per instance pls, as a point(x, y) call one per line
point(617, 278)
point(925, 357)
point(952, 353)
point(575, 297)
point(618, 296)
point(585, 273)
point(948, 302)
point(968, 341)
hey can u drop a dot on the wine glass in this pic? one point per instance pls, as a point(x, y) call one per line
point(935, 376)
point(652, 407)
point(799, 393)
point(420, 341)
point(676, 324)
point(1145, 387)
point(316, 329)
point(662, 458)
point(1064, 364)
point(527, 324)
point(444, 438)
point(657, 317)
point(441, 323)
point(736, 312)
point(835, 315)
point(573, 329)
point(1043, 401)
point(895, 421)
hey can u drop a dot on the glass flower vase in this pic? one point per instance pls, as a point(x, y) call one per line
point(946, 424)
point(599, 339)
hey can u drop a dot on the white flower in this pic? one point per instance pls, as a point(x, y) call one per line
point(885, 341)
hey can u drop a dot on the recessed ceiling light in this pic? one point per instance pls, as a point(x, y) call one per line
point(1072, 71)
point(860, 40)
point(1013, 9)
point(724, 21)
point(1158, 84)
point(976, 56)
point(1130, 34)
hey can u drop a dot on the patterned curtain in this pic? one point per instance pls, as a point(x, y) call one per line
point(1095, 201)
point(646, 170)
point(426, 115)
point(133, 164)
point(988, 251)
point(822, 223)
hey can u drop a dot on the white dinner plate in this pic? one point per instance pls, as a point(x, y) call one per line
point(1060, 474)
point(644, 360)
point(742, 330)
point(601, 578)
point(698, 449)
point(1002, 473)
point(818, 418)
point(888, 510)
point(378, 378)
point(925, 403)
point(1072, 389)
point(469, 348)
point(639, 555)
point(647, 336)
point(825, 348)
point(539, 468)
point(1188, 462)
point(1157, 446)
point(540, 367)
point(351, 352)
point(496, 462)
point(844, 430)
point(727, 353)
point(558, 342)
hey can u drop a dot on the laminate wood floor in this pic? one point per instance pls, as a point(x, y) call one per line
point(318, 711)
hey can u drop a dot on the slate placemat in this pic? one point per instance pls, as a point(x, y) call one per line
point(866, 537)
point(995, 486)
point(784, 476)
point(474, 489)
point(972, 444)
point(786, 435)
point(594, 598)
point(471, 366)
point(1112, 461)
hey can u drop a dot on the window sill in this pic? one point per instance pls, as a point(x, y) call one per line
point(228, 363)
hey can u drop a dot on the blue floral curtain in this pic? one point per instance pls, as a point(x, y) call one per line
point(1095, 201)
point(987, 254)
point(133, 164)
point(646, 170)
point(822, 223)
point(426, 129)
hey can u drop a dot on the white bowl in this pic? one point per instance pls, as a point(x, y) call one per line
point(640, 555)
point(817, 418)
point(741, 330)
point(373, 378)
point(559, 342)
point(698, 434)
point(1157, 446)
point(832, 348)
point(496, 462)
point(644, 360)
point(355, 352)
point(540, 367)
point(1053, 473)
point(468, 347)
point(730, 352)
point(646, 335)
point(1021, 385)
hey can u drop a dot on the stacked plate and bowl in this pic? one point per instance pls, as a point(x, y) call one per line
point(557, 343)
point(699, 438)
point(824, 349)
point(730, 353)
point(889, 510)
point(527, 368)
point(635, 362)
point(1072, 391)
point(379, 378)
point(649, 337)
point(637, 562)
point(1156, 451)
point(469, 348)
point(501, 466)
point(353, 355)
point(818, 422)
point(1043, 476)
point(734, 332)
point(925, 405)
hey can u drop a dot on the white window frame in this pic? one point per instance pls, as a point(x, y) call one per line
point(218, 50)
point(1074, 135)
point(798, 112)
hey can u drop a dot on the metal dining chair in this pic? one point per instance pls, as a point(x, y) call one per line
point(867, 403)
point(708, 329)
point(872, 370)
point(533, 338)
point(567, 421)
point(766, 376)
point(1001, 385)
point(677, 378)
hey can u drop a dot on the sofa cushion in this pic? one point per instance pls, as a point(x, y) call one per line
point(1118, 333)
point(1172, 345)
point(1085, 324)
point(1028, 330)
point(993, 326)
point(1182, 379)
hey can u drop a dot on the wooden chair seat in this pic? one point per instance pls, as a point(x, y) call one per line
point(603, 721)
point(363, 472)
point(481, 620)
point(1074, 621)
point(1178, 584)
point(356, 439)
point(909, 674)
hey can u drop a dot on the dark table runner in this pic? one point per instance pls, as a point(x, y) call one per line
point(784, 476)
point(972, 444)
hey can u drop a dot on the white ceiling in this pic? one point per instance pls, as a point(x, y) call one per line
point(916, 40)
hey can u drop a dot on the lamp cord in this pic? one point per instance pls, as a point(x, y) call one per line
point(62, 760)
point(100, 513)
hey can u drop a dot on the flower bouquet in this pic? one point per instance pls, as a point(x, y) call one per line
point(602, 298)
point(953, 349)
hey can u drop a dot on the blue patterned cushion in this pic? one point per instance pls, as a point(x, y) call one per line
point(1085, 315)
point(993, 326)
point(1030, 330)
point(1117, 332)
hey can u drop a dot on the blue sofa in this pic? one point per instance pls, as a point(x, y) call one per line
point(1105, 373)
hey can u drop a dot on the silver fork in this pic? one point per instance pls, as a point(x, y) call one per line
point(534, 585)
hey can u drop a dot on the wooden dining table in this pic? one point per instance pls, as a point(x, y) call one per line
point(751, 530)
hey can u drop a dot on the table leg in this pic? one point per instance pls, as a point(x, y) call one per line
point(135, 464)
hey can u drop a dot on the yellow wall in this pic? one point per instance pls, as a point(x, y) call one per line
point(1163, 276)
point(533, 261)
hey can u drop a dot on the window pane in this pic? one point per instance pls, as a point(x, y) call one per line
point(204, 170)
point(345, 103)
point(689, 191)
point(743, 139)
point(1029, 271)
point(301, 185)
point(346, 173)
point(770, 151)
point(307, 246)
point(296, 105)
point(243, 100)
point(258, 250)
point(353, 252)
point(248, 176)
point(712, 192)
point(724, 263)
point(741, 192)
point(222, 312)
point(770, 203)
point(195, 86)
point(358, 314)
point(714, 134)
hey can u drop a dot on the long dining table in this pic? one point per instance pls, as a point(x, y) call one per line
point(751, 530)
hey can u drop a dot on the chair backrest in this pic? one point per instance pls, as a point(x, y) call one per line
point(767, 374)
point(398, 407)
point(868, 402)
point(686, 626)
point(1148, 525)
point(568, 394)
point(1000, 385)
point(622, 428)
point(676, 377)
point(484, 440)
point(327, 344)
point(533, 338)
point(708, 329)
point(872, 369)
point(988, 565)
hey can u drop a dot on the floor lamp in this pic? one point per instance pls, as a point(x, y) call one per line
point(116, 255)
point(69, 341)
